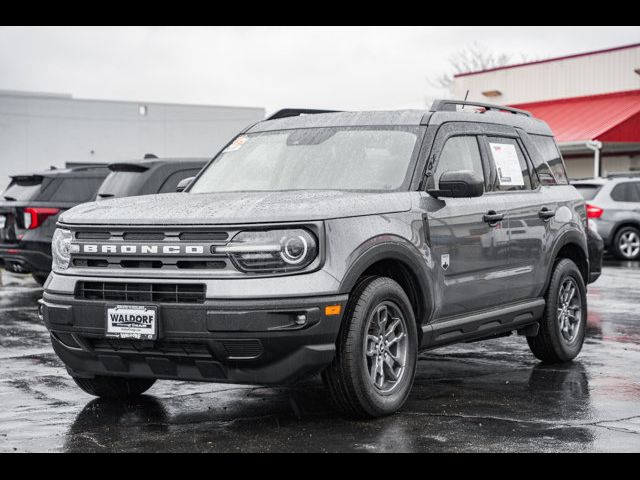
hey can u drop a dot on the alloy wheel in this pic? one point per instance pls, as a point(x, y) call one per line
point(386, 346)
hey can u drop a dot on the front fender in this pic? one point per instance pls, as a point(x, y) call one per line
point(397, 249)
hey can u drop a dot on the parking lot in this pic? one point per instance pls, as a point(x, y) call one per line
point(489, 396)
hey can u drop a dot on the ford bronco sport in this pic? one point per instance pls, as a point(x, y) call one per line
point(342, 243)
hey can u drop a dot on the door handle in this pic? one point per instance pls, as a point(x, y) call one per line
point(546, 214)
point(492, 218)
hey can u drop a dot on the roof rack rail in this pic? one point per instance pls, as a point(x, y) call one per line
point(623, 174)
point(450, 106)
point(294, 112)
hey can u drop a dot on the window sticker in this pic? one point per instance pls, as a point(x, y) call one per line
point(236, 144)
point(505, 158)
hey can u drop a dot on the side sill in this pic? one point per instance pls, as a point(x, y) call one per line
point(482, 324)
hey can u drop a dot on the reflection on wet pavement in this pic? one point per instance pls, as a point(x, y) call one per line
point(491, 396)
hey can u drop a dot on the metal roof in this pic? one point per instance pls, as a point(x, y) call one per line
point(613, 117)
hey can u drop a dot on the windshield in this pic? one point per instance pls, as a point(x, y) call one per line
point(121, 184)
point(313, 159)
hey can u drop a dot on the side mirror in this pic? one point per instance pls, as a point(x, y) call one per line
point(459, 184)
point(184, 183)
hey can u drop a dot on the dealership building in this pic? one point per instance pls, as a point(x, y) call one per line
point(590, 100)
point(39, 130)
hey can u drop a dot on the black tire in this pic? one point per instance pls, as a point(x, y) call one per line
point(618, 240)
point(348, 378)
point(114, 387)
point(40, 278)
point(551, 345)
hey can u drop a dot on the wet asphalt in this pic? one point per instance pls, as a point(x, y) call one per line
point(491, 396)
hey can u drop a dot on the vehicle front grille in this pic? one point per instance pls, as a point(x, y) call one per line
point(141, 292)
point(178, 348)
point(203, 238)
point(243, 349)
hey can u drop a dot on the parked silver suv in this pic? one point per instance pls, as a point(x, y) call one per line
point(613, 203)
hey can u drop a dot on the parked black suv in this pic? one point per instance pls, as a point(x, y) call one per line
point(149, 176)
point(340, 243)
point(29, 210)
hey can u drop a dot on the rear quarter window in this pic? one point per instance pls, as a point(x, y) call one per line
point(588, 192)
point(548, 164)
point(76, 189)
point(626, 192)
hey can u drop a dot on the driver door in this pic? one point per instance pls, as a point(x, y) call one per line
point(469, 246)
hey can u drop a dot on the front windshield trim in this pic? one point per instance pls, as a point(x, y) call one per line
point(405, 185)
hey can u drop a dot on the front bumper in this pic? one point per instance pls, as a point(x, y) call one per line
point(229, 341)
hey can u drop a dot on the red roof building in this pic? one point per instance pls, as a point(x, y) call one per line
point(591, 101)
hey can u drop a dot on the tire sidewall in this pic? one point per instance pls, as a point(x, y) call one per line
point(616, 242)
point(374, 401)
point(565, 351)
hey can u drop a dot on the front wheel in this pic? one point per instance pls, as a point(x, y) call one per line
point(563, 326)
point(114, 387)
point(373, 371)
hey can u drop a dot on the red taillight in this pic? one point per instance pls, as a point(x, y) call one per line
point(34, 216)
point(593, 211)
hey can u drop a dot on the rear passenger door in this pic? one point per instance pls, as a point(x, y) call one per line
point(528, 213)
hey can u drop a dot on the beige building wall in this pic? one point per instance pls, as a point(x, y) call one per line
point(598, 73)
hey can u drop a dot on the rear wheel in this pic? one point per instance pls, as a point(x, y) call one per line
point(563, 326)
point(626, 243)
point(114, 387)
point(373, 371)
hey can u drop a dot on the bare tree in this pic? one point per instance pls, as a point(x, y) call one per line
point(472, 58)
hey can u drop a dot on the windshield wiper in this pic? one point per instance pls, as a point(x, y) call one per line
point(10, 199)
point(106, 195)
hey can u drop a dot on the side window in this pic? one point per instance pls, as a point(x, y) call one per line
point(510, 165)
point(459, 153)
point(549, 166)
point(76, 189)
point(172, 180)
point(626, 192)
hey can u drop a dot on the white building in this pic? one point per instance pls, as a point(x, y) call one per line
point(590, 100)
point(38, 130)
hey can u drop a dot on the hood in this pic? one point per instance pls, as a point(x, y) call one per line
point(235, 207)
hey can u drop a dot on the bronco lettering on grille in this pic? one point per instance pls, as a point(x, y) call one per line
point(143, 249)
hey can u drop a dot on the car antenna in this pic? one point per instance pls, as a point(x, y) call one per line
point(466, 96)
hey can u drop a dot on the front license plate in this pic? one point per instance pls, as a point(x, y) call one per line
point(138, 322)
point(3, 221)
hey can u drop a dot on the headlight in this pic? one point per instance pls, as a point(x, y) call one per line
point(61, 249)
point(272, 250)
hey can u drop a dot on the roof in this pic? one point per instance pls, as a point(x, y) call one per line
point(399, 118)
point(613, 117)
point(548, 60)
point(56, 172)
point(342, 119)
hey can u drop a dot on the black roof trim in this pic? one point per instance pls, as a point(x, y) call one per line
point(128, 167)
point(294, 112)
point(450, 106)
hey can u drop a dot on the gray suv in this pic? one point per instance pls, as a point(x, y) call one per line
point(613, 203)
point(335, 243)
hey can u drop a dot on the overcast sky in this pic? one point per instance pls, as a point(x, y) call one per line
point(272, 67)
